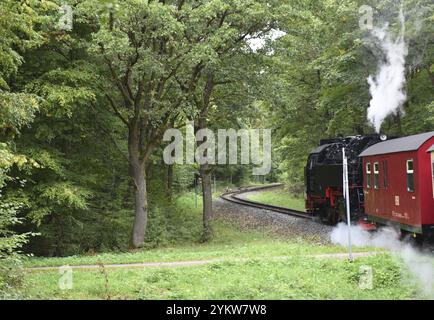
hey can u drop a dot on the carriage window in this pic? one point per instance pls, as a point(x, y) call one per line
point(410, 176)
point(368, 175)
point(385, 174)
point(376, 175)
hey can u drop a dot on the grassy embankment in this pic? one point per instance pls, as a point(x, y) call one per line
point(278, 197)
point(256, 266)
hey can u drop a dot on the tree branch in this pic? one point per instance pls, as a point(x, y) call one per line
point(116, 111)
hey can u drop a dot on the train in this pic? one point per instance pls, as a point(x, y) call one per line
point(391, 182)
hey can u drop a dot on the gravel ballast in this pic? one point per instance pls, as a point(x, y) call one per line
point(268, 221)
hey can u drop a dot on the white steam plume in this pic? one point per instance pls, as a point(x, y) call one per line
point(387, 87)
point(420, 265)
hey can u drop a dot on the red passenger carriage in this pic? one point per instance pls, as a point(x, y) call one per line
point(399, 183)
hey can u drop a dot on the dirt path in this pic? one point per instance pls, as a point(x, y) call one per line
point(192, 263)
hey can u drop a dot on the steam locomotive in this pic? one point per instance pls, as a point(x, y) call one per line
point(324, 178)
point(391, 182)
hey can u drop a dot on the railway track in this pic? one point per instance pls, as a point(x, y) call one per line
point(234, 196)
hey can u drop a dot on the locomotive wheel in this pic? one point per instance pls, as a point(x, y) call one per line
point(409, 238)
point(342, 215)
point(330, 216)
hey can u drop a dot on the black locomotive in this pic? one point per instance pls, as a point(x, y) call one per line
point(324, 178)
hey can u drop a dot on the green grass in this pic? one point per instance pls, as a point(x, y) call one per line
point(256, 265)
point(228, 242)
point(278, 197)
point(296, 277)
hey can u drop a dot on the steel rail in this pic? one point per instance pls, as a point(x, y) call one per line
point(233, 196)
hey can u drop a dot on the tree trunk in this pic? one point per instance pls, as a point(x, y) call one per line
point(431, 76)
point(141, 206)
point(206, 169)
point(205, 172)
point(170, 180)
point(398, 122)
point(170, 171)
point(138, 174)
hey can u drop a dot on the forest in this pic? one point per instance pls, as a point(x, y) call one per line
point(88, 89)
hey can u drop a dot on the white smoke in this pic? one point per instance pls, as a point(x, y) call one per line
point(420, 265)
point(387, 87)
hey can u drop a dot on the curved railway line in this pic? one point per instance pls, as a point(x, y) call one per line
point(234, 196)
